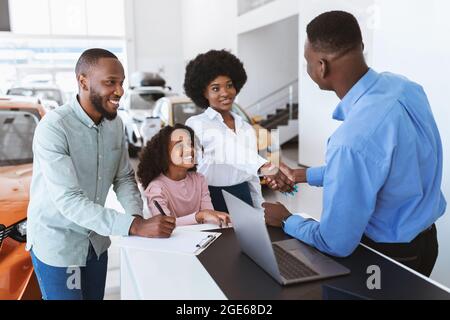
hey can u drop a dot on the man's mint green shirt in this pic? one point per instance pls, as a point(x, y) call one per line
point(75, 163)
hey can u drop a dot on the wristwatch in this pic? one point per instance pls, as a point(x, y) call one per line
point(283, 222)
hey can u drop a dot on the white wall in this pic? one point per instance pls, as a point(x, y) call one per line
point(267, 14)
point(154, 38)
point(316, 106)
point(164, 35)
point(418, 48)
point(208, 24)
point(270, 55)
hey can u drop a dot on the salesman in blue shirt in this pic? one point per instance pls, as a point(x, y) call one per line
point(382, 178)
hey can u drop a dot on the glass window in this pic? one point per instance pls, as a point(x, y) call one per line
point(37, 50)
point(16, 137)
point(68, 17)
point(29, 62)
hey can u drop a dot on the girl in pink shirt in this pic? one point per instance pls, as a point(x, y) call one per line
point(167, 171)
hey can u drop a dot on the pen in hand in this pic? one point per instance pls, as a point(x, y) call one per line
point(159, 208)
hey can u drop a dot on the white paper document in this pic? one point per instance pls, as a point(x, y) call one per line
point(181, 241)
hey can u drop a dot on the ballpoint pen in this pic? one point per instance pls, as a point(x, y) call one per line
point(159, 208)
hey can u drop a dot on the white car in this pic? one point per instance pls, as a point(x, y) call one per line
point(51, 96)
point(136, 111)
point(47, 104)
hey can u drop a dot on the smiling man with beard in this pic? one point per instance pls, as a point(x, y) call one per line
point(79, 152)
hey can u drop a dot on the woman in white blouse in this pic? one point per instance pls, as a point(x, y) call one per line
point(229, 159)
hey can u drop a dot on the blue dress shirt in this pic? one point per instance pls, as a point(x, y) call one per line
point(383, 169)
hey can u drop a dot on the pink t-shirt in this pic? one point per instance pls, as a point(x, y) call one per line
point(181, 199)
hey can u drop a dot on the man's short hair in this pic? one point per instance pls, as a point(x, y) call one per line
point(335, 32)
point(90, 58)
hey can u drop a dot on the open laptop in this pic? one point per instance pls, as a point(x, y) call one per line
point(288, 261)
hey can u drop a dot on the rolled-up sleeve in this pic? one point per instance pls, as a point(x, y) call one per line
point(50, 148)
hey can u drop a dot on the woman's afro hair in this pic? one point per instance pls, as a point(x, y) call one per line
point(208, 66)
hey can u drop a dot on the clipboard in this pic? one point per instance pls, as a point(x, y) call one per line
point(181, 241)
point(203, 244)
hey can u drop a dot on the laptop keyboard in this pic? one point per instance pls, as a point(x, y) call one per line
point(290, 267)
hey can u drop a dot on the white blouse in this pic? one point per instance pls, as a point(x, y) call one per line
point(225, 157)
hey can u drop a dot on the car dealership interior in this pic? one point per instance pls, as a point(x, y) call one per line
point(288, 101)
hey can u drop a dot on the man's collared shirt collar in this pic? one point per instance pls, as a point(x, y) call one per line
point(82, 115)
point(356, 92)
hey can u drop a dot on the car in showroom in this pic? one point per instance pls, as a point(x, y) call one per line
point(47, 104)
point(18, 121)
point(50, 96)
point(137, 105)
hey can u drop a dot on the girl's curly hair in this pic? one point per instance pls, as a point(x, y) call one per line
point(208, 66)
point(154, 159)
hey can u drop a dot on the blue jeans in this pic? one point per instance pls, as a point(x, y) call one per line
point(73, 283)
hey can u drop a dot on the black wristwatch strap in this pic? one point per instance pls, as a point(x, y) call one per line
point(283, 222)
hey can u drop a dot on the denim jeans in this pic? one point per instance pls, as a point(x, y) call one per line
point(73, 283)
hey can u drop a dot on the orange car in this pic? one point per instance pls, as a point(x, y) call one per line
point(18, 120)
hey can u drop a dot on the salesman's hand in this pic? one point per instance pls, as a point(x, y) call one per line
point(156, 227)
point(275, 213)
point(276, 178)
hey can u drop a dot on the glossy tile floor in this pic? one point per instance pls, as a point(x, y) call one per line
point(307, 200)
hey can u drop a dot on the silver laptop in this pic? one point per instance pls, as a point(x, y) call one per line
point(289, 261)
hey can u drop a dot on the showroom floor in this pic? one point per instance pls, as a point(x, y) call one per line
point(306, 200)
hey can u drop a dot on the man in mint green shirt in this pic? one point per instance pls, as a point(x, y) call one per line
point(79, 152)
